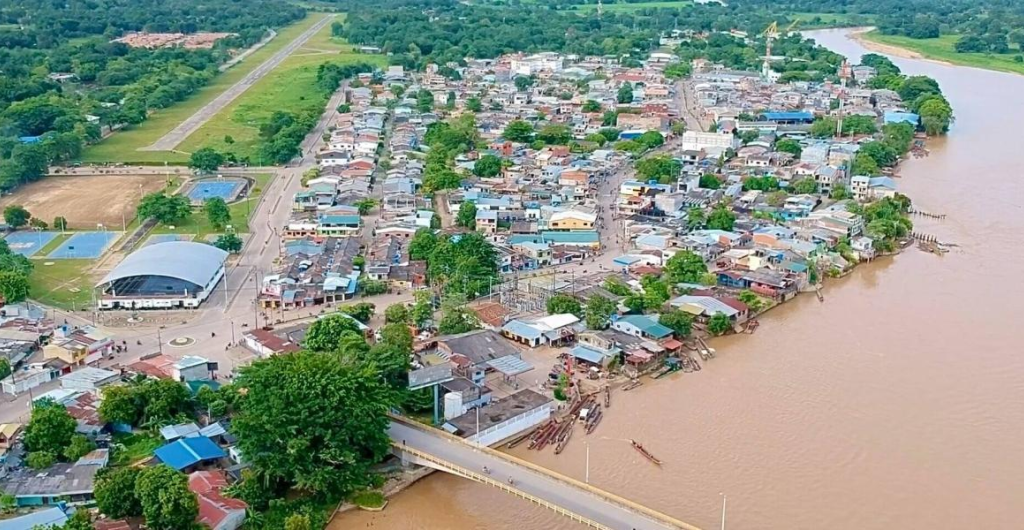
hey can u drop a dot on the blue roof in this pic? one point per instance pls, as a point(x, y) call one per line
point(788, 116)
point(53, 517)
point(339, 219)
point(582, 236)
point(189, 451)
point(626, 259)
point(587, 354)
point(900, 117)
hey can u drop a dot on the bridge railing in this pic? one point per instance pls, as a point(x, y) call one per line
point(610, 497)
point(446, 466)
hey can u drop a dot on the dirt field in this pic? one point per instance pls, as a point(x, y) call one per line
point(85, 201)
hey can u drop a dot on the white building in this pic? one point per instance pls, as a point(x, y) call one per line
point(22, 380)
point(713, 143)
point(171, 275)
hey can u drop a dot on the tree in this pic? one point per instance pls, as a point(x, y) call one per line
point(79, 447)
point(824, 127)
point(656, 292)
point(696, 217)
point(229, 243)
point(598, 312)
point(325, 334)
point(217, 212)
point(864, 165)
point(523, 82)
point(473, 104)
point(166, 501)
point(167, 210)
point(50, 428)
point(679, 322)
point(60, 223)
point(397, 313)
point(467, 215)
point(455, 317)
point(751, 299)
point(555, 134)
point(804, 186)
point(423, 243)
point(610, 134)
point(658, 167)
point(719, 324)
point(721, 218)
point(330, 422)
point(487, 166)
point(16, 216)
point(297, 521)
point(422, 309)
point(678, 70)
point(788, 145)
point(685, 267)
point(8, 503)
point(14, 286)
point(41, 459)
point(424, 101)
point(5, 367)
point(591, 106)
point(518, 131)
point(115, 492)
point(625, 93)
point(205, 159)
point(119, 405)
point(365, 206)
point(651, 139)
point(363, 311)
point(563, 303)
point(709, 181)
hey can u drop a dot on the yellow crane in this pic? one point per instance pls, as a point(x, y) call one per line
point(770, 34)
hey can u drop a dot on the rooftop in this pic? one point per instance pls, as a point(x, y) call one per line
point(498, 411)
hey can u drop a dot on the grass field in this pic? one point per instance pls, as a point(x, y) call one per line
point(830, 20)
point(942, 49)
point(199, 225)
point(624, 7)
point(121, 146)
point(66, 283)
point(290, 88)
point(130, 448)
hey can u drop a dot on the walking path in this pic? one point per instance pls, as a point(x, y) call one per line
point(177, 135)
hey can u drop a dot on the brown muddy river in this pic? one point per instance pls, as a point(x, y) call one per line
point(898, 403)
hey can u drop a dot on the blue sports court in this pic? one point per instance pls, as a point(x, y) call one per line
point(225, 188)
point(167, 238)
point(84, 245)
point(28, 242)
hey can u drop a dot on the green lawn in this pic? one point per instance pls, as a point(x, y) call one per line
point(624, 7)
point(290, 88)
point(368, 499)
point(942, 49)
point(829, 20)
point(67, 283)
point(121, 146)
point(134, 447)
point(200, 226)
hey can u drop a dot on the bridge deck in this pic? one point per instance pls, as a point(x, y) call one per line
point(601, 508)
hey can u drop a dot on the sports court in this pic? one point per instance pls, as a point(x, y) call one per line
point(85, 245)
point(27, 243)
point(167, 238)
point(228, 189)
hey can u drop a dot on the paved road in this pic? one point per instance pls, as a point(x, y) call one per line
point(177, 135)
point(596, 508)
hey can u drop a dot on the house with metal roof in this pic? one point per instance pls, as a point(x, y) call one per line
point(547, 330)
point(641, 326)
point(704, 307)
point(187, 453)
point(172, 275)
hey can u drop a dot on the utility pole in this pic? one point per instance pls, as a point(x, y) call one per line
point(724, 498)
point(587, 476)
point(159, 342)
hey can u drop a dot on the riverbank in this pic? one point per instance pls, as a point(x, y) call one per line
point(939, 50)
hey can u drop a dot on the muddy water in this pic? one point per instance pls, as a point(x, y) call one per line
point(898, 403)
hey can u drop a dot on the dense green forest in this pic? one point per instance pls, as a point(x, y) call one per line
point(60, 68)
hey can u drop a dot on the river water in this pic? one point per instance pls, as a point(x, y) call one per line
point(898, 403)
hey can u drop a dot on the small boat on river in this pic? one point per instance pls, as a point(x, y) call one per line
point(642, 450)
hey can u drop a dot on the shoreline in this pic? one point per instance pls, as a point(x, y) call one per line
point(859, 35)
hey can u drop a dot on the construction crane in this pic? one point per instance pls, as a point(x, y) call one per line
point(789, 30)
point(770, 33)
point(844, 74)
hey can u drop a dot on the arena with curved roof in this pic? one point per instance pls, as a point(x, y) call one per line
point(163, 276)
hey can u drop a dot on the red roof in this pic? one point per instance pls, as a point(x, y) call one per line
point(273, 342)
point(213, 506)
point(733, 303)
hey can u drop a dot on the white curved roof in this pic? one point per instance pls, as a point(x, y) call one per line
point(184, 260)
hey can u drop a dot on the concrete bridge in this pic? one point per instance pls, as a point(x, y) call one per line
point(583, 503)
